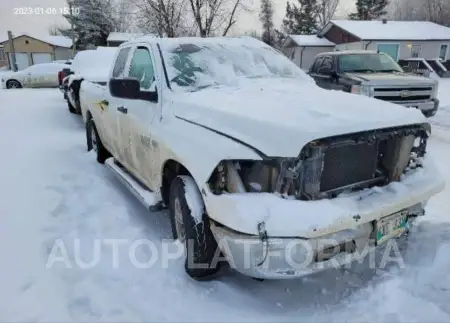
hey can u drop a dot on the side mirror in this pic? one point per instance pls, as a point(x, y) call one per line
point(130, 88)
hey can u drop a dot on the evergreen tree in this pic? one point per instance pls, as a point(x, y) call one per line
point(266, 18)
point(369, 9)
point(302, 18)
point(92, 21)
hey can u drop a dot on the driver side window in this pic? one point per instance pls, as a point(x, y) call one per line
point(141, 67)
point(327, 64)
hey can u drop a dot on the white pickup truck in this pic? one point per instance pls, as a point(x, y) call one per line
point(254, 161)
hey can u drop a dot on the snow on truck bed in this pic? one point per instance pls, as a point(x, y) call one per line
point(52, 189)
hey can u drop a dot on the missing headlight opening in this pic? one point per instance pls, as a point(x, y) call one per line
point(329, 166)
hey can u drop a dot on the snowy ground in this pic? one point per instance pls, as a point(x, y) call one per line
point(51, 189)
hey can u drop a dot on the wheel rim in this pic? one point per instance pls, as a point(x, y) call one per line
point(179, 224)
point(93, 138)
point(13, 85)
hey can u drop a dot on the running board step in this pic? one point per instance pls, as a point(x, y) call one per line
point(152, 201)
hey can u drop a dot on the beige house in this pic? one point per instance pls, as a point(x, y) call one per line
point(33, 50)
point(3, 60)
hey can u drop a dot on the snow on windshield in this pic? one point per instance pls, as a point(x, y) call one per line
point(194, 64)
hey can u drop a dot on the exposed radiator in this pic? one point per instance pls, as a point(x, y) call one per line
point(348, 164)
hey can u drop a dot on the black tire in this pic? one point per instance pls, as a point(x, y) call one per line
point(96, 143)
point(88, 135)
point(71, 108)
point(200, 244)
point(10, 83)
point(77, 105)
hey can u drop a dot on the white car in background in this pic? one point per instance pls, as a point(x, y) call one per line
point(39, 75)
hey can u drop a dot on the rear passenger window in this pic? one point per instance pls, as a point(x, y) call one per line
point(141, 67)
point(121, 61)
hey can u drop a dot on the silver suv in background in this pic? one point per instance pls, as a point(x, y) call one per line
point(375, 75)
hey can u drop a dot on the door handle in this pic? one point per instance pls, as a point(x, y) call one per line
point(122, 109)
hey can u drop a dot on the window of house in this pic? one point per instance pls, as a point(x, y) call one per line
point(443, 52)
point(415, 51)
point(2, 55)
point(390, 49)
point(141, 67)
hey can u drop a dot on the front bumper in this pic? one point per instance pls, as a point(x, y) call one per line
point(428, 108)
point(287, 223)
point(287, 258)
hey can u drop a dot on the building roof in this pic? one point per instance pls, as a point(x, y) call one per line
point(59, 41)
point(391, 30)
point(310, 40)
point(115, 36)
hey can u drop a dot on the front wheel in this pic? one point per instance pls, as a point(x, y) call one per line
point(190, 225)
point(96, 143)
point(13, 84)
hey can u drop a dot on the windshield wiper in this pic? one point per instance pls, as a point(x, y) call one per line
point(391, 70)
point(201, 87)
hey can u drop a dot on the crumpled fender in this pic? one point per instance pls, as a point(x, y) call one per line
point(198, 149)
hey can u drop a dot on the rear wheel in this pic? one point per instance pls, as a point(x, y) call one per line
point(192, 231)
point(96, 143)
point(13, 84)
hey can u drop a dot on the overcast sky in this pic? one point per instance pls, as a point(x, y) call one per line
point(38, 24)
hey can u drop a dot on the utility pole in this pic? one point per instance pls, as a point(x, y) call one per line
point(72, 31)
point(12, 51)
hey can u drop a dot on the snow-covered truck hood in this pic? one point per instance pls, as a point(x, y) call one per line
point(279, 117)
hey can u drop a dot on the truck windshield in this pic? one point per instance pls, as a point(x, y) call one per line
point(368, 63)
point(192, 66)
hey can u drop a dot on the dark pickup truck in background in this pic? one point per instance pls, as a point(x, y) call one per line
point(375, 75)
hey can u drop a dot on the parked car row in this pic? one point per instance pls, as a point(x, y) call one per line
point(90, 65)
point(253, 160)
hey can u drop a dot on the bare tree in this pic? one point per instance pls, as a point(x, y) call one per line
point(54, 29)
point(326, 11)
point(437, 11)
point(214, 17)
point(162, 17)
point(123, 16)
